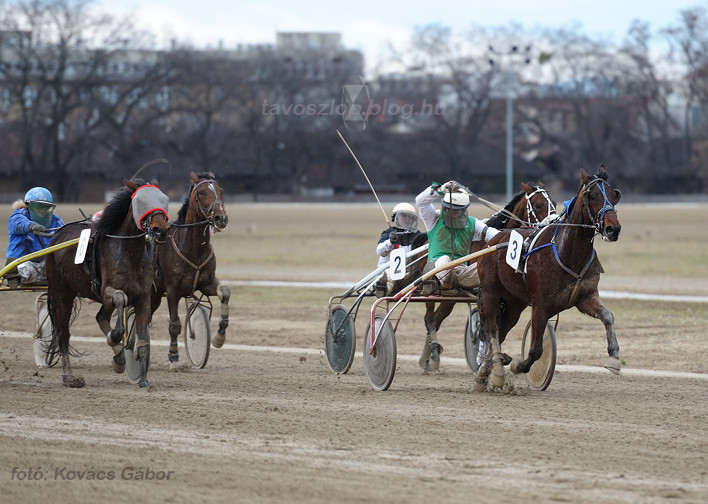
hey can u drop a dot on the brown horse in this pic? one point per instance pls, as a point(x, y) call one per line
point(186, 263)
point(117, 273)
point(561, 271)
point(530, 206)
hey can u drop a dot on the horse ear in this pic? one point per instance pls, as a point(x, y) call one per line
point(133, 186)
point(527, 189)
point(193, 177)
point(618, 195)
point(602, 172)
point(583, 175)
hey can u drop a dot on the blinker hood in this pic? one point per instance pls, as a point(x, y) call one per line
point(148, 199)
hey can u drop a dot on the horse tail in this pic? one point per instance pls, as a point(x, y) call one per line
point(53, 349)
point(56, 346)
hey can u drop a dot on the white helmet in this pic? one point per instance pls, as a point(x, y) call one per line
point(404, 217)
point(454, 209)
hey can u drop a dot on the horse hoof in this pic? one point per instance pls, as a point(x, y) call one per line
point(118, 362)
point(73, 381)
point(514, 366)
point(424, 360)
point(175, 366)
point(612, 364)
point(144, 384)
point(480, 386)
point(218, 340)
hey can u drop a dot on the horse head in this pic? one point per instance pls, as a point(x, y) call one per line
point(539, 206)
point(149, 208)
point(598, 200)
point(206, 197)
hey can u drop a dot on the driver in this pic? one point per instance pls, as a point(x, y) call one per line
point(451, 228)
point(34, 214)
point(401, 235)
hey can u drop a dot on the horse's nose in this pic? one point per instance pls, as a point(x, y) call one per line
point(159, 233)
point(221, 221)
point(612, 232)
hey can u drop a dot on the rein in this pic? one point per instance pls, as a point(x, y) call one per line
point(198, 268)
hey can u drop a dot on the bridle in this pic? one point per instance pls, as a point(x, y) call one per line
point(530, 212)
point(207, 212)
point(599, 217)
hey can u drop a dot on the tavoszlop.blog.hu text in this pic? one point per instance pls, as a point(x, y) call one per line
point(352, 110)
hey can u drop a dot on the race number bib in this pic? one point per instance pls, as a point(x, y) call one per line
point(397, 262)
point(513, 251)
point(82, 246)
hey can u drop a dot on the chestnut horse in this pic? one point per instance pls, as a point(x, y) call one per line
point(529, 207)
point(561, 271)
point(117, 272)
point(186, 263)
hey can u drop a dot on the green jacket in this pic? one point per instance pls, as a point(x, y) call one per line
point(439, 240)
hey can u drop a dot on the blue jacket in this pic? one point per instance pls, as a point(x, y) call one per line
point(22, 242)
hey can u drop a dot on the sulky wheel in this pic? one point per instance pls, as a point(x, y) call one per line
point(340, 339)
point(197, 335)
point(472, 331)
point(380, 365)
point(541, 373)
point(132, 364)
point(43, 336)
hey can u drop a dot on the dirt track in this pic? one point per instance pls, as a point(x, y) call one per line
point(275, 425)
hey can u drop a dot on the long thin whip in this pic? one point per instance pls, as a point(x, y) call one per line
point(366, 177)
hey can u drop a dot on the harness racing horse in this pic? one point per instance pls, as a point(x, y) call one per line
point(117, 273)
point(186, 263)
point(530, 206)
point(561, 271)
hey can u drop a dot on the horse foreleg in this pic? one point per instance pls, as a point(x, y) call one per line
point(142, 345)
point(113, 298)
point(224, 294)
point(175, 328)
point(593, 307)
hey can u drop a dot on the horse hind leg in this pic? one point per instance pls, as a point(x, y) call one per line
point(224, 296)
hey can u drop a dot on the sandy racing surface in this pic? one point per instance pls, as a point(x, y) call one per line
point(267, 421)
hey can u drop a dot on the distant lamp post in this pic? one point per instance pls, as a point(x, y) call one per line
point(507, 62)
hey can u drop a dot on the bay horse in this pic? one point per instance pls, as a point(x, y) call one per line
point(186, 262)
point(561, 271)
point(529, 207)
point(117, 272)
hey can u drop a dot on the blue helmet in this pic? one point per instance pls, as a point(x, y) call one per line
point(38, 194)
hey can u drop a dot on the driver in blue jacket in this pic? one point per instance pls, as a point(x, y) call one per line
point(29, 227)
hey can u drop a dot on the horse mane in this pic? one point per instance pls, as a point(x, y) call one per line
point(499, 219)
point(115, 211)
point(182, 214)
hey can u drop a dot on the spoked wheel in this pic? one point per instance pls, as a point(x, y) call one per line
point(132, 364)
point(380, 365)
point(541, 373)
point(197, 335)
point(472, 332)
point(43, 335)
point(340, 339)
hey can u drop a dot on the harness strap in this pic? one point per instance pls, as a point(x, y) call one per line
point(198, 268)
